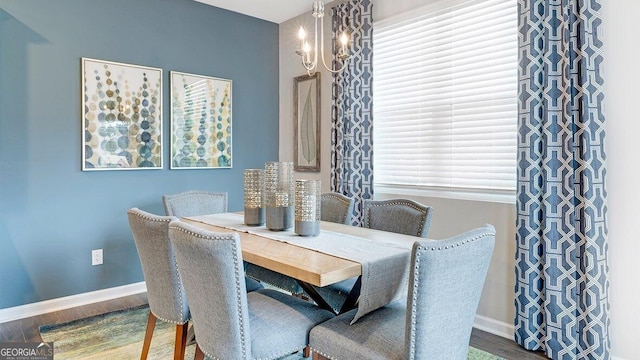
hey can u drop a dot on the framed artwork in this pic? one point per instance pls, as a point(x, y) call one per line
point(122, 116)
point(200, 122)
point(306, 117)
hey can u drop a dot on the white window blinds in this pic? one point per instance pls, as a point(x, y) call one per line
point(445, 97)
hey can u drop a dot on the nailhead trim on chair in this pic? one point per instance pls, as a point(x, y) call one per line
point(333, 196)
point(411, 205)
point(239, 299)
point(181, 195)
point(238, 291)
point(416, 280)
point(172, 218)
point(323, 354)
point(343, 200)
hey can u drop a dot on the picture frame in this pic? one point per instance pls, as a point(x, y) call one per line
point(121, 116)
point(306, 115)
point(201, 121)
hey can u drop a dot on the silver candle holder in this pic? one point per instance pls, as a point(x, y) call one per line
point(279, 195)
point(254, 197)
point(307, 207)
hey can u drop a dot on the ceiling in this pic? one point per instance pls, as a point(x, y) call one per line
point(275, 11)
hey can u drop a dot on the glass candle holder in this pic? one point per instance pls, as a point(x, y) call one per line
point(307, 207)
point(279, 195)
point(253, 197)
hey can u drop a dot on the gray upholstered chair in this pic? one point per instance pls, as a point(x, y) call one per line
point(400, 216)
point(195, 202)
point(229, 322)
point(199, 202)
point(167, 300)
point(436, 319)
point(336, 207)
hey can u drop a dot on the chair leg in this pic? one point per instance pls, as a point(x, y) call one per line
point(306, 352)
point(151, 324)
point(199, 354)
point(181, 341)
point(317, 356)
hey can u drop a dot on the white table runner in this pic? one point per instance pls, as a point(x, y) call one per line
point(385, 264)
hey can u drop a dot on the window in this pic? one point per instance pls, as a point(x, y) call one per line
point(445, 100)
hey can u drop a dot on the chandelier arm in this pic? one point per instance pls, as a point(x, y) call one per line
point(328, 69)
point(322, 53)
point(306, 66)
point(334, 71)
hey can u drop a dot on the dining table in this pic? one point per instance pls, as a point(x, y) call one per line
point(379, 259)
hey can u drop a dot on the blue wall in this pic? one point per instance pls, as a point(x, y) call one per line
point(51, 213)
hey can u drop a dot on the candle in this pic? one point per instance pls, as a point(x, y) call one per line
point(344, 40)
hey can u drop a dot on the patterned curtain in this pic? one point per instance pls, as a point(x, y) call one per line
point(561, 292)
point(351, 113)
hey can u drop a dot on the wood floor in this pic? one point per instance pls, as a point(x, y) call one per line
point(27, 329)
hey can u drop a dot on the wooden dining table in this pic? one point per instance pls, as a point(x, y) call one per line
point(312, 265)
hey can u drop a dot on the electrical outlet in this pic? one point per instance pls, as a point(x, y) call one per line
point(96, 257)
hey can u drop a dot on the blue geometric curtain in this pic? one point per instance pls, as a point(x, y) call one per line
point(562, 284)
point(351, 113)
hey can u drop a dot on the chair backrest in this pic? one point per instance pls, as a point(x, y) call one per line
point(445, 284)
point(167, 300)
point(336, 207)
point(400, 216)
point(195, 202)
point(210, 264)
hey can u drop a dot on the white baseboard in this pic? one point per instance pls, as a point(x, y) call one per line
point(43, 307)
point(504, 330)
point(494, 327)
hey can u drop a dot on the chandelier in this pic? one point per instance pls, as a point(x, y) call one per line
point(306, 53)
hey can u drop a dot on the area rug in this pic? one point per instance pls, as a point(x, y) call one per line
point(119, 335)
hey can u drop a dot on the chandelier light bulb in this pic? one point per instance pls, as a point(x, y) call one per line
point(344, 39)
point(301, 33)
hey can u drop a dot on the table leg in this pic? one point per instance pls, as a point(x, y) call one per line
point(349, 303)
point(309, 289)
point(352, 298)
